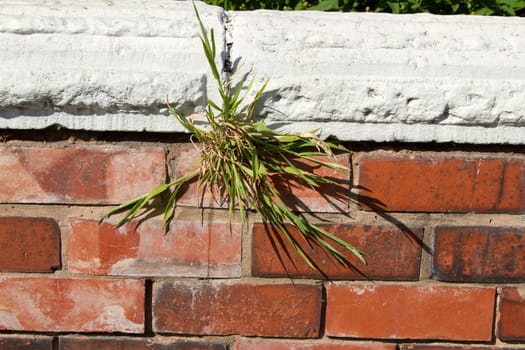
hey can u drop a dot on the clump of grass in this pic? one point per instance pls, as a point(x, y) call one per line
point(239, 156)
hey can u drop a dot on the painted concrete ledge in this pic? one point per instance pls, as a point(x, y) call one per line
point(110, 65)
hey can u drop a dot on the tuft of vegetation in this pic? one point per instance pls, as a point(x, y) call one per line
point(239, 158)
point(442, 7)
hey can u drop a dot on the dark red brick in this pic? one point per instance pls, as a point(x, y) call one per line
point(79, 174)
point(29, 244)
point(391, 253)
point(441, 183)
point(26, 342)
point(121, 343)
point(318, 345)
point(224, 308)
point(511, 314)
point(479, 254)
point(410, 312)
point(452, 347)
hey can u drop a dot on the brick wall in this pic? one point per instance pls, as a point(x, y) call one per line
point(443, 228)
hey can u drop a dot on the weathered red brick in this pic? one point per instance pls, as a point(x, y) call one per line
point(436, 183)
point(317, 345)
point(511, 314)
point(189, 248)
point(84, 174)
point(479, 254)
point(29, 244)
point(391, 253)
point(71, 305)
point(331, 198)
point(223, 308)
point(409, 312)
point(120, 343)
point(29, 342)
point(451, 347)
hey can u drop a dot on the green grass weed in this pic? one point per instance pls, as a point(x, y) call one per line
point(239, 156)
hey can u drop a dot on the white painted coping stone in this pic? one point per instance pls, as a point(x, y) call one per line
point(110, 65)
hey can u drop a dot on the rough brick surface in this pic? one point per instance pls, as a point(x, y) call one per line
point(479, 254)
point(189, 248)
point(332, 198)
point(26, 343)
point(430, 183)
point(511, 316)
point(29, 244)
point(290, 345)
point(222, 308)
point(409, 312)
point(78, 174)
point(391, 253)
point(120, 343)
point(451, 347)
point(71, 305)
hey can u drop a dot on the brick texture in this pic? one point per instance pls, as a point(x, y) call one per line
point(68, 282)
point(223, 308)
point(410, 312)
point(452, 347)
point(511, 316)
point(29, 244)
point(391, 253)
point(289, 345)
point(431, 183)
point(78, 174)
point(26, 343)
point(71, 305)
point(331, 198)
point(189, 248)
point(479, 254)
point(121, 343)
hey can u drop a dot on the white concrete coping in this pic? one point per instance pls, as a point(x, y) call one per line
point(110, 65)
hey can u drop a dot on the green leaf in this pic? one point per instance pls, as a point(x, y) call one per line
point(326, 5)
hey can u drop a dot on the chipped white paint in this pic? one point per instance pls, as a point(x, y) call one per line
point(389, 77)
point(106, 65)
point(362, 289)
point(8, 320)
point(109, 65)
point(171, 267)
point(113, 317)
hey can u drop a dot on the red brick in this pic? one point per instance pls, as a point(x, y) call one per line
point(88, 174)
point(451, 347)
point(511, 315)
point(190, 248)
point(26, 343)
point(479, 254)
point(392, 254)
point(433, 183)
point(120, 343)
point(410, 312)
point(71, 305)
point(29, 244)
point(250, 309)
point(332, 198)
point(318, 345)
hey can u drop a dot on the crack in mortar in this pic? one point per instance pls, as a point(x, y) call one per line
point(227, 68)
